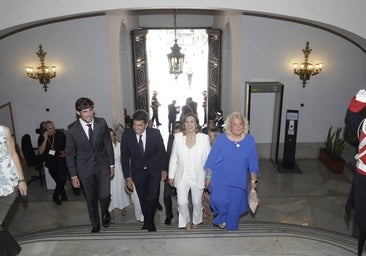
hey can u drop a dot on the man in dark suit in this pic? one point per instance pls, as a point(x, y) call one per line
point(172, 116)
point(143, 159)
point(90, 160)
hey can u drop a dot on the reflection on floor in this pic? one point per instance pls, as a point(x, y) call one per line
point(299, 214)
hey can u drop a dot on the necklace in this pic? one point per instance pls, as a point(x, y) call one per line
point(236, 140)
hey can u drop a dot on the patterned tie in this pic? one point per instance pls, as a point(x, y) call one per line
point(90, 131)
point(141, 144)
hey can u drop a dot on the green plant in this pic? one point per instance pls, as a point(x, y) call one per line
point(334, 144)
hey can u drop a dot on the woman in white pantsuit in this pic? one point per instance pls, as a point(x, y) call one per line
point(186, 172)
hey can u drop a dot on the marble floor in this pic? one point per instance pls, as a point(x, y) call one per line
point(299, 214)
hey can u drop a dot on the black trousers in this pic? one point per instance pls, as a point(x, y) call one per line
point(60, 180)
point(155, 117)
point(168, 199)
point(58, 171)
point(148, 188)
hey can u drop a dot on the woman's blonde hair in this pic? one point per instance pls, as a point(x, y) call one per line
point(230, 118)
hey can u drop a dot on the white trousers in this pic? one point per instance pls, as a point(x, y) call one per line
point(183, 203)
point(136, 204)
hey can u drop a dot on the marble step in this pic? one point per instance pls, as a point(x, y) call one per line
point(133, 231)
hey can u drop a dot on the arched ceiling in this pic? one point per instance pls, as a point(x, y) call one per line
point(344, 18)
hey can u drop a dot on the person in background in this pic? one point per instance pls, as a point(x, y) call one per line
point(207, 211)
point(210, 124)
point(51, 146)
point(186, 173)
point(168, 190)
point(231, 164)
point(219, 120)
point(186, 109)
point(172, 115)
point(155, 104)
point(193, 105)
point(212, 134)
point(119, 198)
point(11, 171)
point(90, 160)
point(144, 165)
point(127, 118)
point(355, 135)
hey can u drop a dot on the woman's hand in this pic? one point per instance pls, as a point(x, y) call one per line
point(208, 177)
point(22, 186)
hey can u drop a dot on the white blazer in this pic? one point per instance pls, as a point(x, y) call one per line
point(176, 163)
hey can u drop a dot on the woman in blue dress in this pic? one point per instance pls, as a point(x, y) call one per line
point(230, 166)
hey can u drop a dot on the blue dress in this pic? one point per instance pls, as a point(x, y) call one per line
point(231, 163)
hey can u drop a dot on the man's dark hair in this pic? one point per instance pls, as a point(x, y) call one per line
point(140, 115)
point(84, 103)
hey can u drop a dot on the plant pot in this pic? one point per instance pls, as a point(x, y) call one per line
point(335, 165)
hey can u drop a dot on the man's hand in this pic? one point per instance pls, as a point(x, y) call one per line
point(129, 186)
point(75, 182)
point(111, 172)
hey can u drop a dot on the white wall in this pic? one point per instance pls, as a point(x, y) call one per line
point(261, 49)
point(270, 49)
point(78, 49)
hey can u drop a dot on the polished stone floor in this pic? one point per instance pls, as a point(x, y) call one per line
point(299, 214)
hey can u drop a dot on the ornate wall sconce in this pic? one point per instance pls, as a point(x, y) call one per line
point(175, 58)
point(305, 70)
point(42, 73)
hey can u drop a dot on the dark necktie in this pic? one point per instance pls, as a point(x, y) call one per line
point(141, 144)
point(90, 132)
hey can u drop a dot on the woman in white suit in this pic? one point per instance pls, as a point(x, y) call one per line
point(186, 172)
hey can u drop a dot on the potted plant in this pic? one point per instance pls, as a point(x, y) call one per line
point(331, 154)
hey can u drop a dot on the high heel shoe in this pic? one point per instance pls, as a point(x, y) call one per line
point(222, 225)
point(124, 212)
point(189, 226)
point(112, 218)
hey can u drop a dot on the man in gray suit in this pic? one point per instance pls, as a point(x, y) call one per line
point(90, 160)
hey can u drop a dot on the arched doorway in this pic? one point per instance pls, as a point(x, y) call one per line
point(148, 76)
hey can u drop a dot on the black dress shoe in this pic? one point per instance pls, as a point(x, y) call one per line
point(168, 220)
point(159, 207)
point(106, 219)
point(145, 226)
point(152, 228)
point(95, 229)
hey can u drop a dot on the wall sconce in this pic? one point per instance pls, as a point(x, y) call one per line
point(306, 69)
point(42, 73)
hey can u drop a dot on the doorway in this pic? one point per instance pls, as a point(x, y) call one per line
point(191, 83)
point(272, 94)
point(208, 89)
